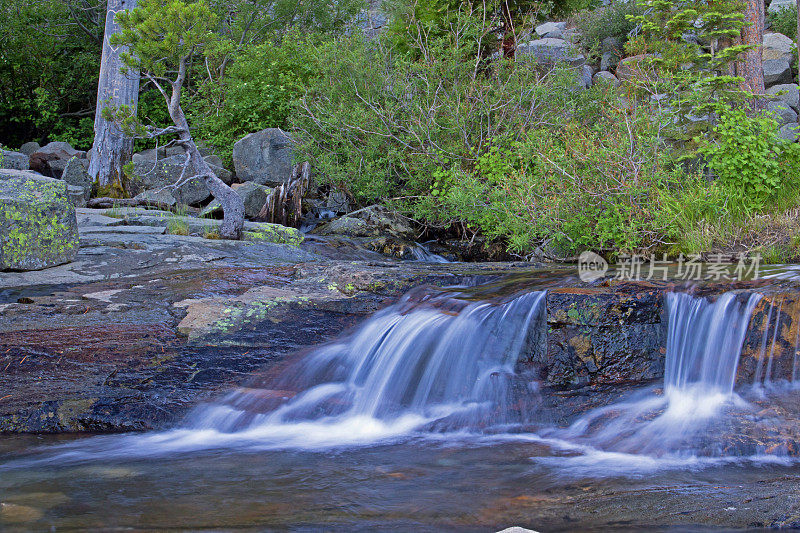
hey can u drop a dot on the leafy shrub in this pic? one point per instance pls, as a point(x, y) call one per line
point(257, 92)
point(749, 157)
point(784, 20)
point(609, 21)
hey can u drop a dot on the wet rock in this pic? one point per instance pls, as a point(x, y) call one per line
point(14, 160)
point(38, 227)
point(264, 157)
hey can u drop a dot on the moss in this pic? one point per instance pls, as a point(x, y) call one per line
point(34, 225)
point(274, 233)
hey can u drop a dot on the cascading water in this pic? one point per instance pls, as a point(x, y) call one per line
point(686, 418)
point(440, 363)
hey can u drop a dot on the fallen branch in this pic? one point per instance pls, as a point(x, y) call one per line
point(109, 203)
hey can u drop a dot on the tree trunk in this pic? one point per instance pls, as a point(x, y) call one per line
point(750, 67)
point(112, 149)
point(232, 204)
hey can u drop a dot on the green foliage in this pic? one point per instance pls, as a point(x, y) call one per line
point(692, 73)
point(49, 60)
point(257, 92)
point(610, 21)
point(749, 157)
point(162, 34)
point(784, 20)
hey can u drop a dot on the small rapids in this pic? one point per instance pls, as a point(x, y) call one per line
point(442, 368)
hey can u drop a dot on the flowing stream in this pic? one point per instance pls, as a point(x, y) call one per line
point(424, 418)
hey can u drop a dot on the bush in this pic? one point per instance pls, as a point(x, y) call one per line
point(257, 92)
point(749, 158)
point(784, 20)
point(610, 21)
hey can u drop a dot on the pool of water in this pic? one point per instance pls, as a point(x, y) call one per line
point(468, 484)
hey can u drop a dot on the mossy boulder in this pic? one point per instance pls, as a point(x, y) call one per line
point(38, 227)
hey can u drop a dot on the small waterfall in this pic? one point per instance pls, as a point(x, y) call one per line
point(704, 342)
point(438, 362)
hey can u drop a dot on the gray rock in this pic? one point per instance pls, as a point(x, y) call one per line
point(605, 78)
point(777, 71)
point(549, 52)
point(586, 76)
point(77, 195)
point(611, 44)
point(214, 160)
point(162, 196)
point(777, 46)
point(163, 174)
point(609, 61)
point(786, 92)
point(253, 194)
point(38, 227)
point(789, 132)
point(553, 30)
point(782, 112)
point(264, 157)
point(337, 202)
point(14, 160)
point(63, 150)
point(75, 174)
point(29, 148)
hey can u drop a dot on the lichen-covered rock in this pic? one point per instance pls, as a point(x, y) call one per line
point(38, 227)
point(372, 221)
point(264, 157)
point(273, 233)
point(14, 160)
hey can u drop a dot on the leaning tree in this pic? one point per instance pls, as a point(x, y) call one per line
point(117, 86)
point(161, 37)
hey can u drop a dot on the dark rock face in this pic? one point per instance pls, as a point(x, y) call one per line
point(264, 157)
point(602, 335)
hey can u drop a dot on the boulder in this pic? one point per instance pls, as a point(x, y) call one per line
point(40, 163)
point(337, 202)
point(788, 93)
point(610, 60)
point(264, 157)
point(29, 148)
point(371, 221)
point(553, 30)
point(149, 174)
point(549, 52)
point(77, 195)
point(605, 78)
point(75, 174)
point(163, 196)
point(782, 112)
point(777, 71)
point(38, 227)
point(611, 44)
point(790, 132)
point(777, 46)
point(14, 160)
point(62, 150)
point(253, 194)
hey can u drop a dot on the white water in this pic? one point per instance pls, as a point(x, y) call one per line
point(442, 369)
